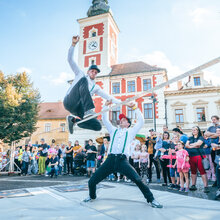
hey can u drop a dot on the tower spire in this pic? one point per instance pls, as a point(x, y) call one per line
point(98, 7)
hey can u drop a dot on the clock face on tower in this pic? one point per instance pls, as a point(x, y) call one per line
point(93, 45)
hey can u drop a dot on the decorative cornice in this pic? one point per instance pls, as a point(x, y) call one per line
point(192, 91)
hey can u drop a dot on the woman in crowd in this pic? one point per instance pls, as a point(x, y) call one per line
point(173, 170)
point(194, 146)
point(69, 158)
point(165, 162)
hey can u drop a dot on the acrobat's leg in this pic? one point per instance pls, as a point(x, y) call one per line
point(92, 124)
point(79, 100)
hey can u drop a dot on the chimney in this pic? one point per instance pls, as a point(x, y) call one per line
point(179, 85)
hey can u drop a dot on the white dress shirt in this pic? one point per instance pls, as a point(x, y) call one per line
point(119, 139)
point(93, 87)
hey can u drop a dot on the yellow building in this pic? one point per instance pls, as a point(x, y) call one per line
point(51, 124)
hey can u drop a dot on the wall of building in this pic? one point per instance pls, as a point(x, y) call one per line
point(189, 102)
point(55, 133)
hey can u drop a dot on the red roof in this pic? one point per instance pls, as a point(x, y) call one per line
point(52, 110)
point(133, 67)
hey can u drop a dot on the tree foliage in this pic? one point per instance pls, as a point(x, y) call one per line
point(19, 103)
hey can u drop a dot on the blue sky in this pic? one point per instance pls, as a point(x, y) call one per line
point(177, 35)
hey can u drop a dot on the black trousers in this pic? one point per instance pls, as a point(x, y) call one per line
point(78, 101)
point(156, 164)
point(165, 170)
point(69, 162)
point(118, 163)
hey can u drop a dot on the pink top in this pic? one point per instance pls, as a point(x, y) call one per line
point(181, 156)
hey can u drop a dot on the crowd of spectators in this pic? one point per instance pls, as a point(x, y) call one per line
point(177, 157)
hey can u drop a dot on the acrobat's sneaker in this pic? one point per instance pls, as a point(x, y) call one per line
point(156, 204)
point(88, 200)
point(69, 120)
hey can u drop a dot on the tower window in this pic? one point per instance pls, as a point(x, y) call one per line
point(93, 62)
point(93, 34)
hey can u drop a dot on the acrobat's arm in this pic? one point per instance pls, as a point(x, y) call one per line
point(105, 119)
point(104, 95)
point(140, 122)
point(71, 61)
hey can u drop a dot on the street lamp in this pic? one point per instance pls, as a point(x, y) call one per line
point(154, 100)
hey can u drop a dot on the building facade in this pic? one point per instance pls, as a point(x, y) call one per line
point(193, 104)
point(51, 124)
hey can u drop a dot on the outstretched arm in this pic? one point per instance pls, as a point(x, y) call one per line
point(71, 61)
point(140, 119)
point(104, 95)
point(105, 120)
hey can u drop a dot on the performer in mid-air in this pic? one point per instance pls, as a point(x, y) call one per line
point(78, 100)
point(118, 153)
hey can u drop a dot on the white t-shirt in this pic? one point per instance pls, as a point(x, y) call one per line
point(133, 145)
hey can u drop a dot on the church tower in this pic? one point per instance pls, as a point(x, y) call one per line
point(98, 38)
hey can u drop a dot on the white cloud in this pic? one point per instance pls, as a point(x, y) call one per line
point(24, 69)
point(62, 78)
point(212, 77)
point(159, 59)
point(201, 15)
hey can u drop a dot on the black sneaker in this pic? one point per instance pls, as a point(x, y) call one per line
point(193, 188)
point(164, 184)
point(156, 204)
point(88, 199)
point(177, 187)
point(206, 189)
point(69, 120)
point(214, 184)
point(171, 186)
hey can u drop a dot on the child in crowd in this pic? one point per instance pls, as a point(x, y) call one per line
point(144, 162)
point(136, 157)
point(158, 146)
point(173, 170)
point(182, 164)
point(61, 164)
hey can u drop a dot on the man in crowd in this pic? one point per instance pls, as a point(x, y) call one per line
point(43, 148)
point(150, 143)
point(91, 152)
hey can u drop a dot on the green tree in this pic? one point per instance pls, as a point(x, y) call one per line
point(19, 103)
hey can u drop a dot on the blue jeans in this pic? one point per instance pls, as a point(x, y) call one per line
point(218, 176)
point(54, 170)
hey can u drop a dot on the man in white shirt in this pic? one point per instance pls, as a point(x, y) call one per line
point(78, 100)
point(118, 151)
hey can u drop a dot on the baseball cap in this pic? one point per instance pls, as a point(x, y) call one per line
point(123, 116)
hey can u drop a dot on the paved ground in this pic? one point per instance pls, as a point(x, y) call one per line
point(19, 182)
point(62, 199)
